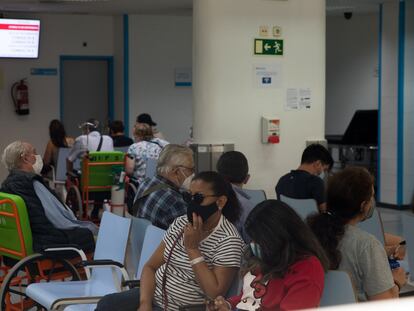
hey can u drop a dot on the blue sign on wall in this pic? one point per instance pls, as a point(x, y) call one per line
point(43, 71)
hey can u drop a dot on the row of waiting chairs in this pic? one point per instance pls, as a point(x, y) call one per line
point(83, 295)
point(105, 272)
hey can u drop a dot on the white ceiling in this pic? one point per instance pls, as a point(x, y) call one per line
point(180, 7)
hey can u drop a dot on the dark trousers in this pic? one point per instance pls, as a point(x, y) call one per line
point(124, 301)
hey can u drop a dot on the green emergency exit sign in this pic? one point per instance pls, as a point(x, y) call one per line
point(268, 47)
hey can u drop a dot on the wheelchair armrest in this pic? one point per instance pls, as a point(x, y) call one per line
point(106, 263)
point(64, 247)
point(67, 247)
point(131, 283)
point(102, 262)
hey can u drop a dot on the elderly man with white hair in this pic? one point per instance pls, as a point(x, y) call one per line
point(159, 199)
point(51, 222)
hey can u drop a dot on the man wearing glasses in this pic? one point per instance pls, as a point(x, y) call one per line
point(159, 199)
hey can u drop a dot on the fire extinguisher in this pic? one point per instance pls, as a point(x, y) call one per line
point(20, 96)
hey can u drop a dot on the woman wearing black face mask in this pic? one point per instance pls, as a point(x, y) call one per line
point(198, 258)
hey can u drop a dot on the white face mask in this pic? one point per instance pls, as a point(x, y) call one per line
point(187, 182)
point(38, 165)
point(322, 175)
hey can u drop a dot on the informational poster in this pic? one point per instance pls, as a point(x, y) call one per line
point(305, 98)
point(183, 77)
point(292, 99)
point(298, 99)
point(267, 75)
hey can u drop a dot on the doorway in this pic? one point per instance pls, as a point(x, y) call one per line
point(86, 91)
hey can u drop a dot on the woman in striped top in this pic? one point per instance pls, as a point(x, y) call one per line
point(199, 256)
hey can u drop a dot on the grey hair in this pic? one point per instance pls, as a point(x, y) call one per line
point(12, 154)
point(172, 156)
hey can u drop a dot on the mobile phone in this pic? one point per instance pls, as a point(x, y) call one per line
point(394, 264)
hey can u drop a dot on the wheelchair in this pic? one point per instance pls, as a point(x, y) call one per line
point(20, 265)
point(100, 171)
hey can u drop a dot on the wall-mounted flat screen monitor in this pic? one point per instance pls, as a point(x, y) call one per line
point(19, 38)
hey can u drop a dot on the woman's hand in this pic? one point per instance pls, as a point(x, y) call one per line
point(400, 277)
point(219, 304)
point(193, 233)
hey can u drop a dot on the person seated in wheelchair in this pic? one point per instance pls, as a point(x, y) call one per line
point(199, 256)
point(90, 140)
point(51, 222)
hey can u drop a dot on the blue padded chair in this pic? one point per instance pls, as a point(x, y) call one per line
point(338, 289)
point(303, 207)
point(256, 196)
point(138, 229)
point(151, 167)
point(106, 270)
point(374, 226)
point(152, 239)
point(408, 229)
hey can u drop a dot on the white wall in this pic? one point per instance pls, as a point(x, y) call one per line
point(351, 68)
point(228, 107)
point(158, 45)
point(60, 35)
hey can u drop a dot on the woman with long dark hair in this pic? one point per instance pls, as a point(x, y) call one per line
point(58, 139)
point(285, 263)
point(350, 200)
point(199, 256)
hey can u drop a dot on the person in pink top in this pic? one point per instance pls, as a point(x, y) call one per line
point(284, 266)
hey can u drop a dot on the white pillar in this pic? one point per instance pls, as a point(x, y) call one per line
point(228, 105)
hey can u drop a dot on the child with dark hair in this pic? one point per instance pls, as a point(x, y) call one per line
point(350, 200)
point(285, 263)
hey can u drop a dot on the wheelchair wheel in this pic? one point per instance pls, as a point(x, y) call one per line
point(74, 201)
point(35, 268)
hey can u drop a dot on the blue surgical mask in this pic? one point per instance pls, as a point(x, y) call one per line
point(256, 250)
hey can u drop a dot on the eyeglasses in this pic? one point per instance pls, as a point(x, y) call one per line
point(186, 167)
point(196, 198)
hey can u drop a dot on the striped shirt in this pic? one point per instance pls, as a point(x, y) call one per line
point(223, 247)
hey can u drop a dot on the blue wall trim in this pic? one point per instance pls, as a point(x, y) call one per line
point(110, 62)
point(126, 72)
point(400, 118)
point(379, 102)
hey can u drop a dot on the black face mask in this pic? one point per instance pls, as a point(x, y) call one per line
point(204, 211)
